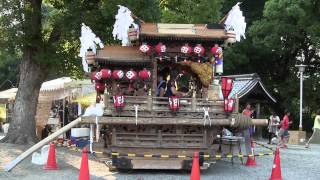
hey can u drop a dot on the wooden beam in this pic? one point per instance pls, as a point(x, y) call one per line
point(166, 121)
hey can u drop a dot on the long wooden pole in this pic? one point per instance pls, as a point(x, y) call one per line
point(35, 147)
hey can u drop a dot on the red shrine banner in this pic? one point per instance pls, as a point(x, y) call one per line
point(118, 101)
point(174, 103)
point(229, 105)
point(226, 86)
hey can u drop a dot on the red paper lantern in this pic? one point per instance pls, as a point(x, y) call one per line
point(131, 75)
point(117, 74)
point(100, 87)
point(105, 73)
point(226, 86)
point(118, 101)
point(174, 103)
point(145, 48)
point(229, 105)
point(144, 74)
point(216, 51)
point(199, 49)
point(96, 76)
point(186, 49)
point(160, 48)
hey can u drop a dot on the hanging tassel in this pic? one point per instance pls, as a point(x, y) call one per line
point(136, 106)
point(206, 116)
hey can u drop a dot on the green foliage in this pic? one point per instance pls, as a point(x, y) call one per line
point(8, 70)
point(58, 43)
point(285, 30)
point(191, 11)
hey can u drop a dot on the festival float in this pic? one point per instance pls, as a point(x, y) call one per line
point(139, 128)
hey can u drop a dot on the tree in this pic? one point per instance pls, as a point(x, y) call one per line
point(46, 35)
point(190, 11)
point(286, 30)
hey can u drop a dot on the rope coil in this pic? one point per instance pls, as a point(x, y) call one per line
point(240, 122)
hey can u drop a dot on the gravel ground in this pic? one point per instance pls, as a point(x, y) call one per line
point(296, 163)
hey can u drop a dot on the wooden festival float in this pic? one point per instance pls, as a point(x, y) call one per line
point(162, 129)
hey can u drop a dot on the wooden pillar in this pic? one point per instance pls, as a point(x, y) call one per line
point(106, 100)
point(159, 138)
point(258, 128)
point(258, 110)
point(63, 114)
point(114, 137)
point(193, 103)
point(205, 138)
point(236, 109)
point(154, 76)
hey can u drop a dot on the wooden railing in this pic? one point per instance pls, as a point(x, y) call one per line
point(149, 106)
point(159, 140)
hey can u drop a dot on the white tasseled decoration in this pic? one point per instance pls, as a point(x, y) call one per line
point(122, 24)
point(236, 21)
point(88, 40)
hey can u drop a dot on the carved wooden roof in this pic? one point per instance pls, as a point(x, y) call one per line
point(180, 31)
point(117, 53)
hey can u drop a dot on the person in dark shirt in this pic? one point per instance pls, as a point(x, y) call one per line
point(172, 90)
point(46, 131)
point(161, 88)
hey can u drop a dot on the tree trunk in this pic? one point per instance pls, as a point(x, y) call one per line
point(22, 127)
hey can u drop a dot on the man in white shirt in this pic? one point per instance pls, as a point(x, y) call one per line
point(274, 121)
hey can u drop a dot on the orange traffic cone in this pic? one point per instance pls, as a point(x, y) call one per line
point(51, 162)
point(251, 161)
point(195, 171)
point(276, 168)
point(84, 169)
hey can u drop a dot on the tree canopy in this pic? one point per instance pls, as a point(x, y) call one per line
point(275, 41)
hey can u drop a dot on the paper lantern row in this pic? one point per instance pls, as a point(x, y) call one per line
point(105, 74)
point(185, 49)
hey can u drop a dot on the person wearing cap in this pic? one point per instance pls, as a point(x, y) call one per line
point(316, 128)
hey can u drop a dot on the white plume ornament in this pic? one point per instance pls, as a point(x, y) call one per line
point(88, 41)
point(122, 25)
point(236, 21)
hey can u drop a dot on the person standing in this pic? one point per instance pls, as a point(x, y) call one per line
point(316, 128)
point(284, 133)
point(161, 88)
point(274, 121)
point(247, 132)
point(249, 113)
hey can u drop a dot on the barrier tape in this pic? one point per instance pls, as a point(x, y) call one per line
point(206, 156)
point(260, 144)
point(167, 156)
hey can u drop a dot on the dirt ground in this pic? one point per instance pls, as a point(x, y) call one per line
point(296, 163)
point(68, 162)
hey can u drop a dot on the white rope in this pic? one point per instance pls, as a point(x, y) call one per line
point(91, 138)
point(97, 130)
point(206, 116)
point(136, 106)
point(233, 121)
